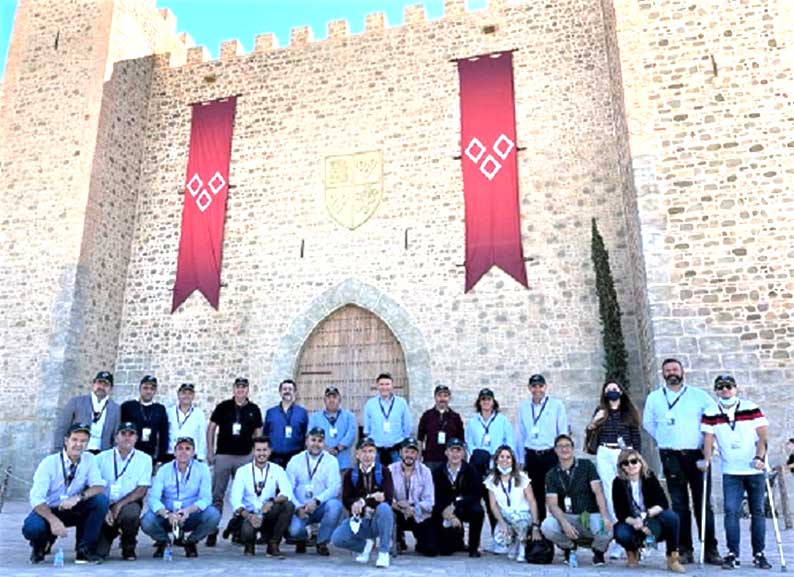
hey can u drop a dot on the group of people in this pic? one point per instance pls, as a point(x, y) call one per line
point(120, 469)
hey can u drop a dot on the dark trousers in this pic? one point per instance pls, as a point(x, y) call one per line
point(274, 524)
point(388, 455)
point(536, 465)
point(450, 540)
point(682, 474)
point(127, 523)
point(424, 533)
point(631, 539)
point(87, 516)
point(282, 459)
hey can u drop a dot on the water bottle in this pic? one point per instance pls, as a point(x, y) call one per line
point(573, 562)
point(57, 561)
point(650, 541)
point(168, 555)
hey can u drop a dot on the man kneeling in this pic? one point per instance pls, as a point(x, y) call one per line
point(179, 502)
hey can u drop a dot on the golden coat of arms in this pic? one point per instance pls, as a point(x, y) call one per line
point(353, 187)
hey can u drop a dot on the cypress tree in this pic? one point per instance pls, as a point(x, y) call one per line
point(615, 356)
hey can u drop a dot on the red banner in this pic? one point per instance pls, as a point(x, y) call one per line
point(204, 211)
point(490, 167)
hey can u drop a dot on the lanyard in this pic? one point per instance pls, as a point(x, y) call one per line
point(453, 477)
point(391, 406)
point(185, 479)
point(67, 479)
point(634, 503)
point(317, 464)
point(732, 423)
point(540, 414)
point(486, 427)
point(331, 420)
point(260, 485)
point(407, 483)
point(180, 423)
point(675, 402)
point(98, 414)
point(116, 466)
point(566, 484)
point(146, 418)
point(442, 419)
point(508, 490)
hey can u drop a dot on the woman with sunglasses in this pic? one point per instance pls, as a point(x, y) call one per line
point(512, 503)
point(615, 426)
point(642, 510)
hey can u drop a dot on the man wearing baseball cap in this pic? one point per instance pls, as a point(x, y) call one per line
point(67, 491)
point(150, 418)
point(180, 502)
point(340, 428)
point(187, 420)
point(127, 474)
point(436, 425)
point(95, 409)
point(314, 475)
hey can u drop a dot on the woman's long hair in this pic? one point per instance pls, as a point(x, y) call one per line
point(645, 470)
point(478, 408)
point(629, 415)
point(515, 472)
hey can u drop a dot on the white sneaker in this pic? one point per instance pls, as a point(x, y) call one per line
point(498, 549)
point(383, 560)
point(363, 557)
point(616, 551)
point(521, 557)
point(512, 551)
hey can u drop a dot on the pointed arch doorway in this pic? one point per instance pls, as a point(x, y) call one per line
point(347, 350)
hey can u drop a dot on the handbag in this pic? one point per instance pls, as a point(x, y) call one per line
point(540, 551)
point(591, 440)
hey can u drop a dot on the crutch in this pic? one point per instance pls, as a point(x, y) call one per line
point(774, 518)
point(703, 497)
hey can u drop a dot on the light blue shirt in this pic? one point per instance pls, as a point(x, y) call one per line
point(377, 413)
point(539, 424)
point(49, 480)
point(673, 419)
point(345, 429)
point(321, 474)
point(128, 475)
point(271, 481)
point(488, 434)
point(194, 487)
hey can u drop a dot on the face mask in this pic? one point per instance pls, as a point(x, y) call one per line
point(673, 380)
point(613, 395)
point(728, 402)
point(504, 470)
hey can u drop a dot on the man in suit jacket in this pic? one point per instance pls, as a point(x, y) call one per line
point(96, 409)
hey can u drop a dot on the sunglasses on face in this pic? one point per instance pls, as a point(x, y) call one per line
point(720, 386)
point(629, 462)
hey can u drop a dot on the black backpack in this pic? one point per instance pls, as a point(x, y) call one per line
point(540, 552)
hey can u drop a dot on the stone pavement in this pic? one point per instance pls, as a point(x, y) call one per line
point(228, 559)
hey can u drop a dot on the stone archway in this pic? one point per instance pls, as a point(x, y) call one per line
point(354, 292)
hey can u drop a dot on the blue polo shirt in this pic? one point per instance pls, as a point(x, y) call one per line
point(275, 427)
point(344, 428)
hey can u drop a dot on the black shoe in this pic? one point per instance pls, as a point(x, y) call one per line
point(212, 540)
point(249, 550)
point(713, 557)
point(322, 550)
point(402, 545)
point(50, 542)
point(300, 547)
point(86, 557)
point(128, 553)
point(686, 557)
point(598, 559)
point(274, 551)
point(159, 550)
point(190, 550)
point(729, 562)
point(566, 559)
point(475, 554)
point(37, 555)
point(262, 539)
point(760, 562)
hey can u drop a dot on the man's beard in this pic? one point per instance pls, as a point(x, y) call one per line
point(673, 380)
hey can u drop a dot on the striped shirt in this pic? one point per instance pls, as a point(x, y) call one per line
point(735, 431)
point(614, 428)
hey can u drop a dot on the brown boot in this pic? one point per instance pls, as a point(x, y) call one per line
point(633, 559)
point(674, 563)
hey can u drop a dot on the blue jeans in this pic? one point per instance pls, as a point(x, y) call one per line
point(199, 524)
point(379, 526)
point(630, 539)
point(733, 489)
point(327, 515)
point(87, 516)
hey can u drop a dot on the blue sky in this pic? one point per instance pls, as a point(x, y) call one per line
point(210, 22)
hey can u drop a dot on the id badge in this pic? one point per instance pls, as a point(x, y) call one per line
point(287, 432)
point(236, 428)
point(177, 505)
point(621, 443)
point(670, 418)
point(146, 433)
point(309, 491)
point(568, 504)
point(332, 432)
point(442, 438)
point(535, 432)
point(115, 492)
point(386, 427)
point(486, 440)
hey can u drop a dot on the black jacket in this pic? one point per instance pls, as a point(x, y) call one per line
point(152, 417)
point(465, 493)
point(652, 495)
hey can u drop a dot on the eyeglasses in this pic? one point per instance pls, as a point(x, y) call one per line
point(629, 462)
point(564, 446)
point(723, 385)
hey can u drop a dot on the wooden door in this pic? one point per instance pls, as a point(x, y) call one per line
point(348, 350)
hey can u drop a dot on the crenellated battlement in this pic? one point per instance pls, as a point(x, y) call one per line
point(414, 16)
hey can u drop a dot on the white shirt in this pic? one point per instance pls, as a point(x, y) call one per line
point(509, 496)
point(191, 424)
point(735, 431)
point(673, 418)
point(95, 441)
point(248, 479)
point(636, 494)
point(316, 475)
point(123, 476)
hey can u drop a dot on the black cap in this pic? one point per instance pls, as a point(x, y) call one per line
point(410, 442)
point(455, 442)
point(150, 379)
point(317, 432)
point(441, 389)
point(486, 392)
point(537, 379)
point(365, 442)
point(181, 440)
point(127, 426)
point(332, 391)
point(78, 428)
point(104, 376)
point(241, 381)
point(186, 387)
point(725, 379)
